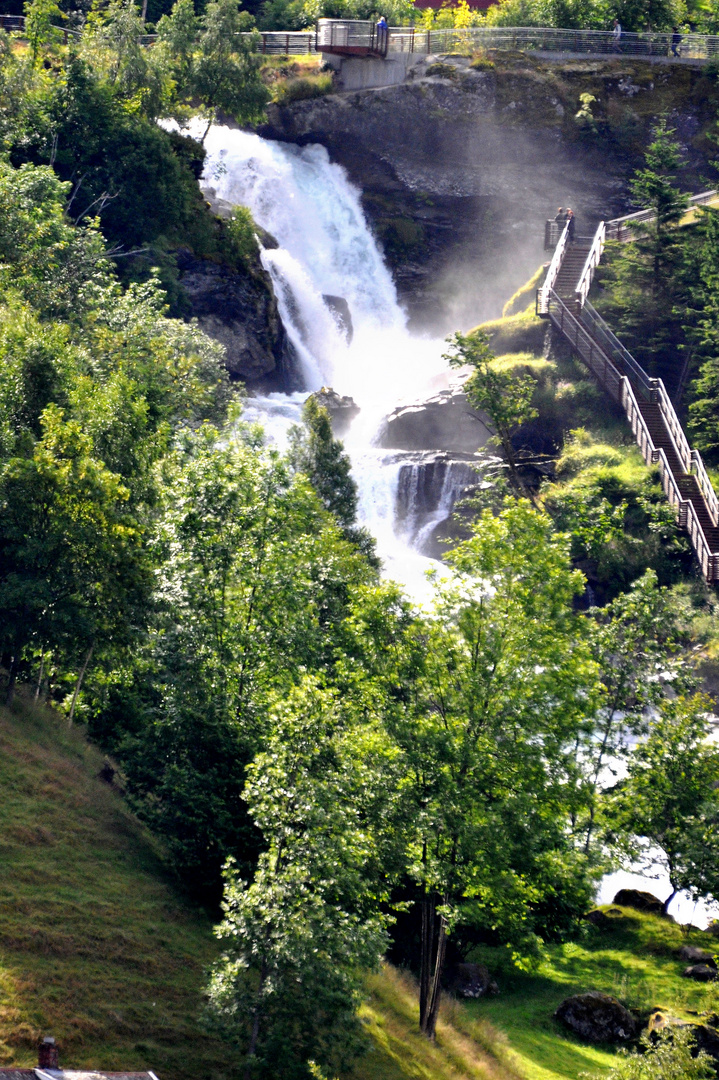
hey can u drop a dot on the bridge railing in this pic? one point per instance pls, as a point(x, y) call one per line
point(621, 228)
point(351, 35)
point(549, 39)
point(705, 486)
point(623, 390)
point(612, 346)
point(287, 43)
point(543, 293)
point(590, 265)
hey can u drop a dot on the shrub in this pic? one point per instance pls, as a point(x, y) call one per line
point(310, 86)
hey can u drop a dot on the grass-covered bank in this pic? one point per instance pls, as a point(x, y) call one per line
point(635, 958)
point(96, 945)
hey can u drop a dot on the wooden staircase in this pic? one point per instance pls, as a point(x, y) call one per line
point(571, 268)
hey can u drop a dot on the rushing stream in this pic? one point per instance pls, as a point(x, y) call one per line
point(325, 248)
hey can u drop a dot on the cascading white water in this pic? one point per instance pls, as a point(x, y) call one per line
point(326, 248)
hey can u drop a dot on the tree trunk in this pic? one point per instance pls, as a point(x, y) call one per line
point(426, 953)
point(78, 684)
point(254, 1034)
point(38, 688)
point(144, 13)
point(14, 665)
point(436, 990)
point(667, 902)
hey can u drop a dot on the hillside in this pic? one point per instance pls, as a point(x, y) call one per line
point(99, 949)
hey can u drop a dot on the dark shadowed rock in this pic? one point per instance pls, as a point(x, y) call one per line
point(598, 1018)
point(713, 928)
point(238, 309)
point(341, 314)
point(705, 1036)
point(444, 421)
point(641, 901)
point(700, 972)
point(471, 981)
point(692, 955)
point(342, 408)
point(599, 919)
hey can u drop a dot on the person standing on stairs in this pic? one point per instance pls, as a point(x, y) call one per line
point(571, 225)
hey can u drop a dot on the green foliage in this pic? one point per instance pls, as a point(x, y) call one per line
point(670, 1054)
point(309, 921)
point(668, 799)
point(241, 232)
point(41, 20)
point(505, 397)
point(634, 15)
point(309, 86)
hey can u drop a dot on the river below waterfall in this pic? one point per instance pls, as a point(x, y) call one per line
point(325, 248)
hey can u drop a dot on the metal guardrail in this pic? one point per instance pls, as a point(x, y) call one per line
point(549, 39)
point(591, 263)
point(622, 390)
point(543, 293)
point(290, 43)
point(621, 228)
point(351, 36)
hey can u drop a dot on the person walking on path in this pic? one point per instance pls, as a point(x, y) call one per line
point(571, 225)
point(676, 41)
point(617, 36)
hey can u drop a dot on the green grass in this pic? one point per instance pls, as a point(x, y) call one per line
point(97, 947)
point(635, 960)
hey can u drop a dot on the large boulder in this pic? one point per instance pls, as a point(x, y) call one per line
point(700, 972)
point(341, 407)
point(444, 421)
point(692, 955)
point(471, 981)
point(598, 1018)
point(238, 309)
point(641, 901)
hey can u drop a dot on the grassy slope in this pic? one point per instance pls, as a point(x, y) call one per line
point(635, 959)
point(100, 950)
point(96, 947)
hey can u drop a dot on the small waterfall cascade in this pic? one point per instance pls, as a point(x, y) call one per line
point(325, 249)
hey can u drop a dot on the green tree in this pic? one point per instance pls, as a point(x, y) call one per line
point(645, 279)
point(311, 919)
point(505, 692)
point(69, 553)
point(702, 252)
point(504, 396)
point(177, 35)
point(41, 19)
point(668, 800)
point(227, 66)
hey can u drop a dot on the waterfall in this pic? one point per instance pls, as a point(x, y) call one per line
point(326, 248)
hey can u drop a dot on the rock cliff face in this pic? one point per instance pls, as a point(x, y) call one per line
point(459, 167)
point(240, 311)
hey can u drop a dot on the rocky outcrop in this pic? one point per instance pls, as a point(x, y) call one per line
point(238, 309)
point(341, 407)
point(700, 972)
point(444, 421)
point(598, 1018)
point(341, 314)
point(641, 901)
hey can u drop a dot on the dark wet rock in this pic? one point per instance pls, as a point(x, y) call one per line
point(341, 407)
point(700, 972)
point(238, 309)
point(471, 981)
point(598, 1018)
point(641, 901)
point(692, 955)
point(341, 314)
point(444, 421)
